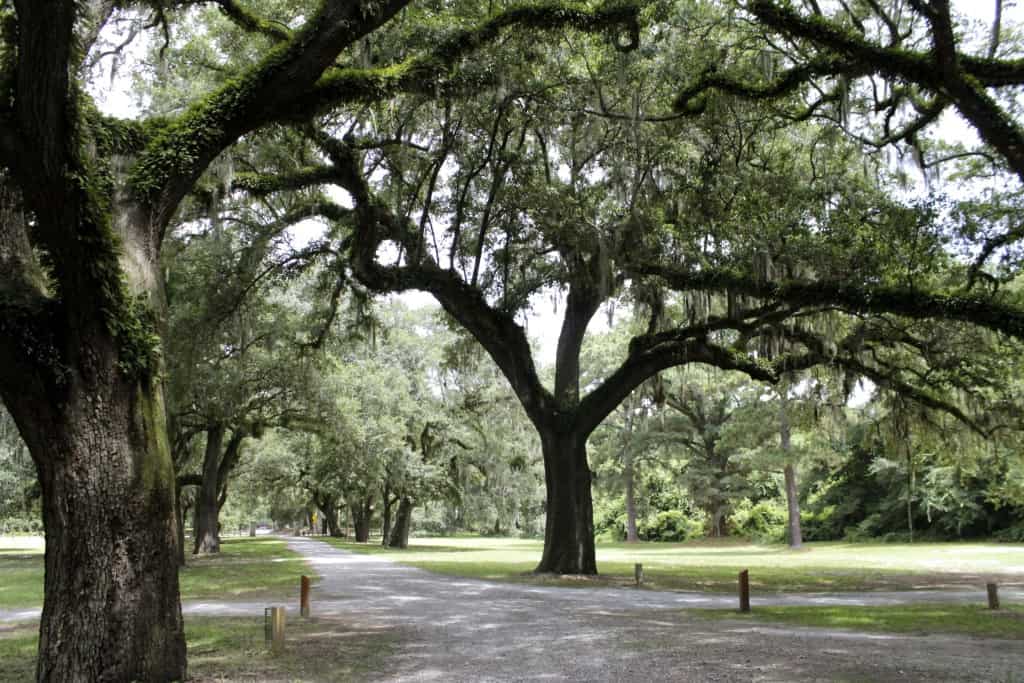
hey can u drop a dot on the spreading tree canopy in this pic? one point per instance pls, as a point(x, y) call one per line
point(490, 156)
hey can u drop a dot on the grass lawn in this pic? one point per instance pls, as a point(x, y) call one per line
point(246, 568)
point(973, 620)
point(232, 649)
point(713, 565)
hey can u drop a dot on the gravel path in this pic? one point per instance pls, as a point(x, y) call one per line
point(448, 629)
point(467, 630)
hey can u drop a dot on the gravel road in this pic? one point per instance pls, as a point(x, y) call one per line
point(467, 630)
point(449, 629)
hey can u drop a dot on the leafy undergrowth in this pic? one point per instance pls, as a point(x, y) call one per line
point(971, 620)
point(233, 649)
point(714, 565)
point(246, 568)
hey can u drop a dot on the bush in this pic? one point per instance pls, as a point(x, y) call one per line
point(610, 519)
point(21, 525)
point(1013, 534)
point(764, 521)
point(672, 526)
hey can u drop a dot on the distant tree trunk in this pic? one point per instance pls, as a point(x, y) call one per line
point(362, 513)
point(179, 514)
point(569, 528)
point(207, 534)
point(329, 508)
point(218, 462)
point(497, 526)
point(403, 521)
point(385, 530)
point(910, 492)
point(716, 521)
point(629, 473)
point(794, 534)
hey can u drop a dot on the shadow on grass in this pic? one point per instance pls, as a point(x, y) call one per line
point(233, 649)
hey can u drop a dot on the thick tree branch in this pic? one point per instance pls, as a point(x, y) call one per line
point(427, 73)
point(977, 310)
point(247, 20)
point(960, 78)
point(178, 156)
point(646, 359)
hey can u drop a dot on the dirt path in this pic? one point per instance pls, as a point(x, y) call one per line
point(467, 630)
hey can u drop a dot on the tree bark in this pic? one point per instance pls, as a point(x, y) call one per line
point(111, 610)
point(794, 534)
point(329, 509)
point(362, 513)
point(179, 515)
point(207, 533)
point(403, 521)
point(385, 529)
point(629, 473)
point(569, 527)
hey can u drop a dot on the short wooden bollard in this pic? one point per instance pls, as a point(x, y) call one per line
point(638, 573)
point(745, 591)
point(993, 595)
point(273, 628)
point(304, 597)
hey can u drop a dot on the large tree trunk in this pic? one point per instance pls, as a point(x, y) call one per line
point(207, 533)
point(403, 522)
point(111, 610)
point(794, 535)
point(569, 527)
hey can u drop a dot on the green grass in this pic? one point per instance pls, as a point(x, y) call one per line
point(246, 568)
point(972, 620)
point(713, 565)
point(233, 649)
point(21, 572)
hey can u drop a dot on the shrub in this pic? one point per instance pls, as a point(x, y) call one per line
point(763, 521)
point(671, 525)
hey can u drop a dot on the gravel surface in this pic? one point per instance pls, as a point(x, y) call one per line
point(453, 629)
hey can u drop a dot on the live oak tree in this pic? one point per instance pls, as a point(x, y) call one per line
point(570, 177)
point(235, 349)
point(87, 201)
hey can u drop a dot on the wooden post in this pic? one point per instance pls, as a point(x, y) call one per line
point(638, 573)
point(273, 625)
point(744, 591)
point(304, 597)
point(993, 595)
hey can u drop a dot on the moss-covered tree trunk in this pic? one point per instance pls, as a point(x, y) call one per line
point(111, 609)
point(82, 304)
